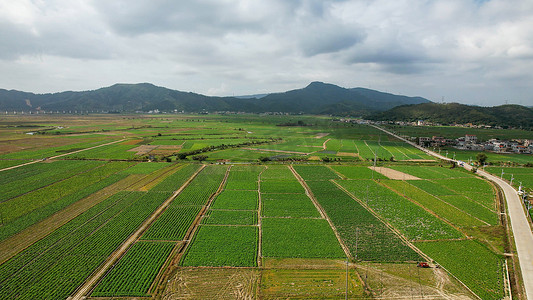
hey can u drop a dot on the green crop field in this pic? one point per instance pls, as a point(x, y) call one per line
point(240, 206)
point(134, 273)
point(306, 238)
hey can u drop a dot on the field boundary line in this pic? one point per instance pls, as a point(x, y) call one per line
point(61, 155)
point(90, 282)
point(321, 210)
point(392, 228)
point(173, 260)
point(259, 221)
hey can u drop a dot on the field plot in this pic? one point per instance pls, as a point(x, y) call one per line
point(475, 265)
point(357, 172)
point(366, 237)
point(236, 199)
point(436, 205)
point(230, 217)
point(413, 221)
point(310, 284)
point(66, 257)
point(219, 246)
point(135, 272)
point(287, 206)
point(433, 172)
point(306, 238)
point(31, 207)
point(114, 151)
point(213, 283)
point(309, 173)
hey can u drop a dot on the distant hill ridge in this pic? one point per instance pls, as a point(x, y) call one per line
point(316, 98)
point(509, 115)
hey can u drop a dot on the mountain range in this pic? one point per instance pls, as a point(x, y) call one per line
point(316, 98)
point(509, 115)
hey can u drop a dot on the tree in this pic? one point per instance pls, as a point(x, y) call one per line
point(481, 158)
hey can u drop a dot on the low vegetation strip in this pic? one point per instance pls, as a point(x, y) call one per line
point(315, 172)
point(434, 204)
point(410, 219)
point(357, 172)
point(202, 187)
point(304, 238)
point(472, 263)
point(65, 258)
point(135, 272)
point(176, 180)
point(288, 206)
point(236, 199)
point(173, 224)
point(366, 237)
point(230, 217)
point(219, 246)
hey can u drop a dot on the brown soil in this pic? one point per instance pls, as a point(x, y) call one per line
point(347, 154)
point(143, 149)
point(32, 234)
point(132, 142)
point(393, 174)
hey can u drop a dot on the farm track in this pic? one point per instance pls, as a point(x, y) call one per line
point(173, 262)
point(85, 288)
point(388, 225)
point(322, 211)
point(18, 242)
point(521, 229)
point(61, 155)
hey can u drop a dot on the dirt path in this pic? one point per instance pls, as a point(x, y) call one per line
point(324, 144)
point(523, 236)
point(18, 242)
point(393, 174)
point(113, 258)
point(61, 155)
point(323, 214)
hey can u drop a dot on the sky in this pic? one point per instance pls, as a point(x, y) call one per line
point(469, 51)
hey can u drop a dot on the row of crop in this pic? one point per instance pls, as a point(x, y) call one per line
point(364, 151)
point(434, 204)
point(288, 206)
point(479, 205)
point(432, 172)
point(218, 246)
point(77, 249)
point(22, 212)
point(22, 180)
point(315, 172)
point(302, 238)
point(412, 220)
point(202, 187)
point(135, 272)
point(475, 265)
point(243, 177)
point(176, 180)
point(49, 152)
point(113, 151)
point(366, 237)
point(172, 224)
point(146, 167)
point(277, 173)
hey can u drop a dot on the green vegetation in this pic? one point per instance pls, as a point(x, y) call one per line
point(231, 217)
point(366, 237)
point(236, 199)
point(288, 205)
point(315, 172)
point(413, 221)
point(219, 246)
point(475, 265)
point(306, 238)
point(134, 273)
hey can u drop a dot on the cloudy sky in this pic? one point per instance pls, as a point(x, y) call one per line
point(469, 51)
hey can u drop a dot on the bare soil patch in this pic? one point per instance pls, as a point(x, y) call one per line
point(321, 135)
point(347, 154)
point(143, 149)
point(393, 174)
point(213, 283)
point(132, 142)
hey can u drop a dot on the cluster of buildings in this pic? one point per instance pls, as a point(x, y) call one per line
point(470, 142)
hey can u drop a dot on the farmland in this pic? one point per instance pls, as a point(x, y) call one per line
point(209, 206)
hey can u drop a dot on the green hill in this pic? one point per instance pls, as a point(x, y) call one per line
point(505, 115)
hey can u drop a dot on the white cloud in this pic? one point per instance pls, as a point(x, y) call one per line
point(466, 50)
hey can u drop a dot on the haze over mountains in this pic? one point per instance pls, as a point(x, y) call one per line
point(316, 98)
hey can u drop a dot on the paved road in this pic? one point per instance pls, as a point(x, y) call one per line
point(519, 223)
